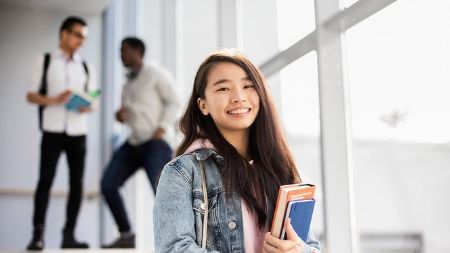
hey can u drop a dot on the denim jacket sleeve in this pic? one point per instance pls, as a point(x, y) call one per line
point(173, 214)
point(312, 243)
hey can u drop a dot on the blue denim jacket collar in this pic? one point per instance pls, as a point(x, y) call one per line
point(204, 153)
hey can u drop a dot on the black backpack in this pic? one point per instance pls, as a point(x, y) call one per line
point(43, 87)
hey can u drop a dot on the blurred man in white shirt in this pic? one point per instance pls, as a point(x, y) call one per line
point(62, 129)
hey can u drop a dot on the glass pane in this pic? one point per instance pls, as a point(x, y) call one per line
point(259, 29)
point(398, 72)
point(300, 96)
point(296, 19)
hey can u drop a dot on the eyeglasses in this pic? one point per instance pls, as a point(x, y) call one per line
point(77, 34)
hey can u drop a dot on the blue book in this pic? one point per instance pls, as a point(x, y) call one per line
point(78, 100)
point(300, 212)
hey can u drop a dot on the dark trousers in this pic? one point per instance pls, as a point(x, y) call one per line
point(51, 147)
point(151, 155)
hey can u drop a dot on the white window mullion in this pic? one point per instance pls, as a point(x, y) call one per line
point(336, 140)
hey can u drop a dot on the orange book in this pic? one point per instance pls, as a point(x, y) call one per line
point(286, 193)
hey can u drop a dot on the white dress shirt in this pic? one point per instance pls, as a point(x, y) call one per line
point(151, 101)
point(63, 73)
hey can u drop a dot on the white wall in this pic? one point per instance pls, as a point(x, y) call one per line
point(26, 33)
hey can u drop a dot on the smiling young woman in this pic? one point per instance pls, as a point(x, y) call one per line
point(219, 193)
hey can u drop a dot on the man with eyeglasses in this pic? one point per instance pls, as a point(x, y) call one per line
point(55, 76)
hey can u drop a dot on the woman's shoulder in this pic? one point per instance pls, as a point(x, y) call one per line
point(184, 160)
point(186, 165)
point(194, 157)
point(179, 169)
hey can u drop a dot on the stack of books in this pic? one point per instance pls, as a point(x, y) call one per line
point(295, 201)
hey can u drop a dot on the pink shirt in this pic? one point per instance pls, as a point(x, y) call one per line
point(253, 237)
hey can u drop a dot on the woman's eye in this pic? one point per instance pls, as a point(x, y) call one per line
point(222, 89)
point(249, 85)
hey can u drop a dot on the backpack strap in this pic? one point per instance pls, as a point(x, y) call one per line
point(43, 87)
point(87, 76)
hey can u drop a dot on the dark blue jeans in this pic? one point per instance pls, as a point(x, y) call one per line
point(151, 155)
point(52, 145)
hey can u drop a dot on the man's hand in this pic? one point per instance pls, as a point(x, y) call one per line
point(84, 109)
point(63, 97)
point(293, 243)
point(158, 134)
point(122, 115)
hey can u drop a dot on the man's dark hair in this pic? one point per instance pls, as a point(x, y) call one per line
point(135, 43)
point(69, 22)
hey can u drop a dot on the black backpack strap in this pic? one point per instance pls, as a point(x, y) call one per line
point(87, 76)
point(43, 87)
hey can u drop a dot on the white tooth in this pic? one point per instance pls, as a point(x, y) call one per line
point(238, 111)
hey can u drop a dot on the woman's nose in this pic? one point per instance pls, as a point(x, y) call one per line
point(238, 96)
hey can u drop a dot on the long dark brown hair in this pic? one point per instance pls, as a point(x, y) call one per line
point(273, 164)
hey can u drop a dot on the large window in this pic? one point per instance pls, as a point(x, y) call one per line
point(398, 74)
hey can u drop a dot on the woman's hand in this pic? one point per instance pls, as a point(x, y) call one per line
point(293, 243)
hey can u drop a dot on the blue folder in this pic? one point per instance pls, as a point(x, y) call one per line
point(300, 212)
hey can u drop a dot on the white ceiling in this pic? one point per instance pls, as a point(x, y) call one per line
point(76, 6)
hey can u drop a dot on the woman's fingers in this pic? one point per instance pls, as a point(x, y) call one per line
point(290, 232)
point(268, 248)
point(275, 245)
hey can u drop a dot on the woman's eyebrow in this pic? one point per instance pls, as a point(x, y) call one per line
point(224, 80)
point(221, 81)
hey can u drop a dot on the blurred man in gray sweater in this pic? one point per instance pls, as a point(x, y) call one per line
point(149, 106)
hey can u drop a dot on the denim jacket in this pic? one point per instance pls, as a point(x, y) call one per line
point(179, 209)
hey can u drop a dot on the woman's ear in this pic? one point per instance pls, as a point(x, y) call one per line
point(202, 106)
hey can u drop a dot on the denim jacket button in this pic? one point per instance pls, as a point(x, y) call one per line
point(202, 206)
point(231, 225)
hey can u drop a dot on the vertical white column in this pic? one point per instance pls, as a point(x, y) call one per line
point(171, 41)
point(229, 24)
point(340, 227)
point(140, 192)
point(111, 85)
point(169, 35)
